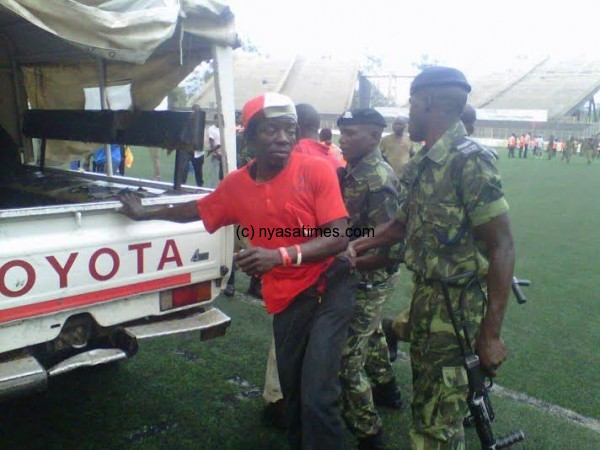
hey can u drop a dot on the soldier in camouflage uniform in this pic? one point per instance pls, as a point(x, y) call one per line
point(369, 188)
point(453, 220)
point(590, 146)
point(569, 150)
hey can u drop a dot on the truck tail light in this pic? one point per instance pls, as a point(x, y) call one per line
point(186, 295)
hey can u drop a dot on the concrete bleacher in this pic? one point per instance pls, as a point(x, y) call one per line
point(558, 86)
point(325, 83)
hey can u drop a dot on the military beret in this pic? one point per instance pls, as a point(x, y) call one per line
point(365, 116)
point(439, 76)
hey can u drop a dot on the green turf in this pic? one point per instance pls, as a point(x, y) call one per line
point(180, 393)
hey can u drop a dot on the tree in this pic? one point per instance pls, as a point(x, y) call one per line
point(177, 98)
point(425, 61)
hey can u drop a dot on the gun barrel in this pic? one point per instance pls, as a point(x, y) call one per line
point(516, 287)
point(510, 439)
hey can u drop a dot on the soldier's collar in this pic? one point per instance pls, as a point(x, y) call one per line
point(362, 167)
point(438, 152)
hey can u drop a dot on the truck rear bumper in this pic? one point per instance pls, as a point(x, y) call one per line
point(25, 374)
point(211, 323)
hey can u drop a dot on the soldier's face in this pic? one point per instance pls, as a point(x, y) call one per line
point(358, 140)
point(417, 117)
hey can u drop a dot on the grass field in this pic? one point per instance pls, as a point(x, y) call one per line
point(180, 393)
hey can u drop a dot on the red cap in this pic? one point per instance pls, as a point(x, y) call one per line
point(271, 105)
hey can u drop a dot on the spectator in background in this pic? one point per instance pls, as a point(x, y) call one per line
point(309, 123)
point(512, 144)
point(551, 149)
point(198, 159)
point(326, 138)
point(213, 158)
point(468, 118)
point(99, 164)
point(540, 145)
point(154, 155)
point(396, 147)
point(521, 145)
point(527, 144)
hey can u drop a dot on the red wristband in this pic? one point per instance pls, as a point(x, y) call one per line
point(285, 257)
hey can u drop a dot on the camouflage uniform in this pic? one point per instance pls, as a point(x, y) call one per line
point(589, 149)
point(370, 195)
point(452, 187)
point(569, 150)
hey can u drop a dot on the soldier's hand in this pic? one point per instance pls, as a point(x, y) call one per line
point(257, 260)
point(132, 206)
point(492, 353)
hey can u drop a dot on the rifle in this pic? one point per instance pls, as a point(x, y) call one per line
point(480, 406)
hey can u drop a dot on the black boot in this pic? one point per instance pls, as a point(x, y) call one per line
point(390, 338)
point(387, 395)
point(372, 442)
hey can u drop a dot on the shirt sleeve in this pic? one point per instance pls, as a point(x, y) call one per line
point(482, 193)
point(329, 205)
point(383, 207)
point(216, 209)
point(402, 212)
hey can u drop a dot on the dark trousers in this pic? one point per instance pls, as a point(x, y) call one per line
point(197, 163)
point(182, 169)
point(310, 335)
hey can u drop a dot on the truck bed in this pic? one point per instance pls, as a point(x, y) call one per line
point(31, 188)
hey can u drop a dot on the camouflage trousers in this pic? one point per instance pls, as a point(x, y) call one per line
point(439, 380)
point(365, 360)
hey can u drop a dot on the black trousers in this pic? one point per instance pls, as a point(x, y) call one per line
point(310, 335)
point(183, 168)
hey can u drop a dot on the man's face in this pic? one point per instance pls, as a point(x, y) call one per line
point(358, 140)
point(417, 117)
point(274, 140)
point(470, 127)
point(398, 127)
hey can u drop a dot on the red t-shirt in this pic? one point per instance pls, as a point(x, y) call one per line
point(305, 193)
point(314, 148)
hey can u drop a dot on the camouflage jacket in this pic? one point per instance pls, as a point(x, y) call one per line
point(371, 197)
point(452, 187)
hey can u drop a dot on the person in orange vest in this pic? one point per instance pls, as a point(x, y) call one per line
point(527, 143)
point(555, 145)
point(512, 144)
point(521, 145)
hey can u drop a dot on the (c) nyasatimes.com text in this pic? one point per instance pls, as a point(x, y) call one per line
point(298, 232)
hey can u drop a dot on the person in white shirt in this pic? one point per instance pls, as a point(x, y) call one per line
point(214, 157)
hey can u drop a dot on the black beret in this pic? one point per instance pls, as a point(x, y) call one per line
point(439, 76)
point(365, 116)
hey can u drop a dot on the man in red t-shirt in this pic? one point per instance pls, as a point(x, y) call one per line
point(309, 123)
point(287, 199)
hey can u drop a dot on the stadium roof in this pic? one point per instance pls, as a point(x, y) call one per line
point(326, 83)
point(557, 86)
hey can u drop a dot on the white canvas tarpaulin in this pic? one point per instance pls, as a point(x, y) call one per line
point(127, 30)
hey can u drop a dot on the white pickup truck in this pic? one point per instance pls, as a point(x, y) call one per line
point(80, 283)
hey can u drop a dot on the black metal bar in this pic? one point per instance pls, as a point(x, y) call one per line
point(43, 155)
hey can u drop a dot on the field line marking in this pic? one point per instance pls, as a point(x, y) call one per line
point(541, 405)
